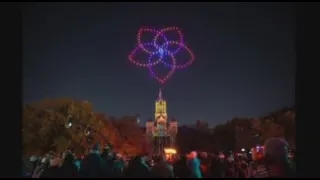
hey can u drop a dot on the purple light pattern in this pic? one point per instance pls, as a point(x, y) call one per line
point(161, 50)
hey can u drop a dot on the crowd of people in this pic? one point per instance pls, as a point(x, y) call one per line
point(271, 161)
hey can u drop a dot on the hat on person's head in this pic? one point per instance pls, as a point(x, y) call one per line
point(276, 148)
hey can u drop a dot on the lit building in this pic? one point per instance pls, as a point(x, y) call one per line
point(160, 133)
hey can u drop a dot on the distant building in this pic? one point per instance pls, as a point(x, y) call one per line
point(161, 133)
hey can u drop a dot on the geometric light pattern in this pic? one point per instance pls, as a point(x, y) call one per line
point(160, 47)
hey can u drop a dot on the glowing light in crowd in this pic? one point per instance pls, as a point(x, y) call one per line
point(170, 151)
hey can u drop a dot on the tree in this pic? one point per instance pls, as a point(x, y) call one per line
point(109, 131)
point(38, 130)
point(280, 123)
point(271, 129)
point(224, 137)
point(131, 134)
point(243, 133)
point(287, 122)
point(44, 125)
point(190, 138)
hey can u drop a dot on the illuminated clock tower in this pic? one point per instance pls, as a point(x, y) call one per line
point(161, 109)
point(161, 133)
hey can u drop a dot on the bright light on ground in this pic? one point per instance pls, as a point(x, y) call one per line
point(170, 151)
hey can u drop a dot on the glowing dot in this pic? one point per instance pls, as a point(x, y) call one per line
point(161, 51)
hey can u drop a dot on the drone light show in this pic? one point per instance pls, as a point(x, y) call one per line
point(161, 49)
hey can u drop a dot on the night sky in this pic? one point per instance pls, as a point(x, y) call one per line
point(244, 66)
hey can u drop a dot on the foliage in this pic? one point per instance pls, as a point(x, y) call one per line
point(131, 133)
point(280, 123)
point(44, 128)
point(44, 124)
point(240, 132)
point(188, 140)
point(224, 137)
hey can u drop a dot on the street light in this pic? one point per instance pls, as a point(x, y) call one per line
point(137, 116)
point(69, 123)
point(88, 131)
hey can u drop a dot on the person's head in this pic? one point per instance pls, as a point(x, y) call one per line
point(276, 150)
point(257, 153)
point(51, 154)
point(118, 156)
point(193, 155)
point(54, 162)
point(240, 158)
point(45, 160)
point(202, 155)
point(67, 159)
point(33, 159)
point(106, 150)
point(27, 165)
point(159, 159)
point(230, 159)
point(96, 147)
point(144, 157)
point(137, 160)
point(221, 155)
point(291, 155)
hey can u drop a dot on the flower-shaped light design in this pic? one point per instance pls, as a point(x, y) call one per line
point(160, 50)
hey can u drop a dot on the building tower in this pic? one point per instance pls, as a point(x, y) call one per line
point(173, 131)
point(161, 133)
point(161, 113)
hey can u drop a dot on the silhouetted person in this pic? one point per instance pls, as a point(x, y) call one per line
point(138, 168)
point(194, 165)
point(93, 166)
point(53, 170)
point(217, 169)
point(161, 169)
point(276, 159)
point(181, 169)
point(68, 169)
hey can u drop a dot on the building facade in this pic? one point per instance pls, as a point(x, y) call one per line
point(160, 132)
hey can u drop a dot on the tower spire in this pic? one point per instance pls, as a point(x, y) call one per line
point(160, 94)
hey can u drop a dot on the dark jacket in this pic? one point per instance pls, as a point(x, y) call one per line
point(181, 169)
point(194, 166)
point(136, 169)
point(162, 170)
point(93, 166)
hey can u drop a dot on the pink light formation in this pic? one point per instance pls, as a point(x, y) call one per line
point(160, 50)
